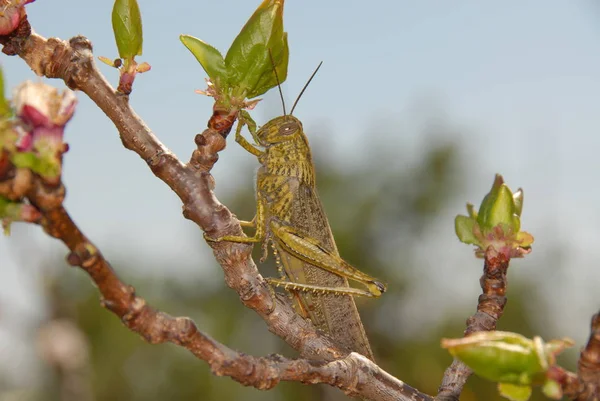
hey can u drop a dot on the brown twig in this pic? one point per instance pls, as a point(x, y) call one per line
point(568, 381)
point(490, 307)
point(73, 62)
point(582, 387)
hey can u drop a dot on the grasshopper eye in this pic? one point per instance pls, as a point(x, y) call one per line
point(288, 128)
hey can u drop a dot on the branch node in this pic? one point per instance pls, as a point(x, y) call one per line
point(136, 307)
point(81, 43)
point(73, 259)
point(200, 140)
point(155, 160)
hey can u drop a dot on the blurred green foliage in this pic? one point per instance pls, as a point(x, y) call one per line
point(379, 212)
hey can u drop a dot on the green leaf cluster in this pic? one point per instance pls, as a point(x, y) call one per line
point(127, 27)
point(497, 224)
point(256, 60)
point(514, 361)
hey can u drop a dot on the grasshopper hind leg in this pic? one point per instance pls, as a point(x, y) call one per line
point(278, 261)
point(292, 295)
point(311, 251)
point(319, 290)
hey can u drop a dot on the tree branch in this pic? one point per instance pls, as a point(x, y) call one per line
point(73, 62)
point(353, 374)
point(490, 308)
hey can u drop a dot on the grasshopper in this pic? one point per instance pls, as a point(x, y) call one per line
point(290, 219)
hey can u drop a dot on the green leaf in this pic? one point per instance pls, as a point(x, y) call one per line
point(8, 138)
point(471, 211)
point(127, 26)
point(554, 347)
point(248, 60)
point(4, 203)
point(518, 198)
point(498, 356)
point(464, 226)
point(267, 79)
point(498, 208)
point(209, 58)
point(5, 110)
point(46, 167)
point(552, 389)
point(524, 239)
point(8, 209)
point(514, 392)
point(107, 61)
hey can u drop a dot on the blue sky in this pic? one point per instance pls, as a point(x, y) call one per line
point(519, 81)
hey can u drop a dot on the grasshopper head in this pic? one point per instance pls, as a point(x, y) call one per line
point(279, 129)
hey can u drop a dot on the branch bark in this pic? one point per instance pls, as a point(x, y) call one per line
point(326, 362)
point(490, 308)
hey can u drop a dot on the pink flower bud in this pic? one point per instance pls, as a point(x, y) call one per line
point(38, 104)
point(42, 113)
point(11, 12)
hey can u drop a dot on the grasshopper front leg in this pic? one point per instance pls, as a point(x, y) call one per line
point(251, 223)
point(243, 141)
point(310, 250)
point(258, 222)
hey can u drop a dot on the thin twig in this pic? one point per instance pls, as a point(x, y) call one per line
point(490, 308)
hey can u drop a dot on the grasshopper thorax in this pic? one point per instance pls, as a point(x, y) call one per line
point(279, 129)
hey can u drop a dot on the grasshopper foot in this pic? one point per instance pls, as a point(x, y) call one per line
point(376, 288)
point(380, 286)
point(233, 238)
point(273, 296)
point(210, 239)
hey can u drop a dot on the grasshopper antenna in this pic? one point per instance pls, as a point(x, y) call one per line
point(305, 86)
point(278, 83)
